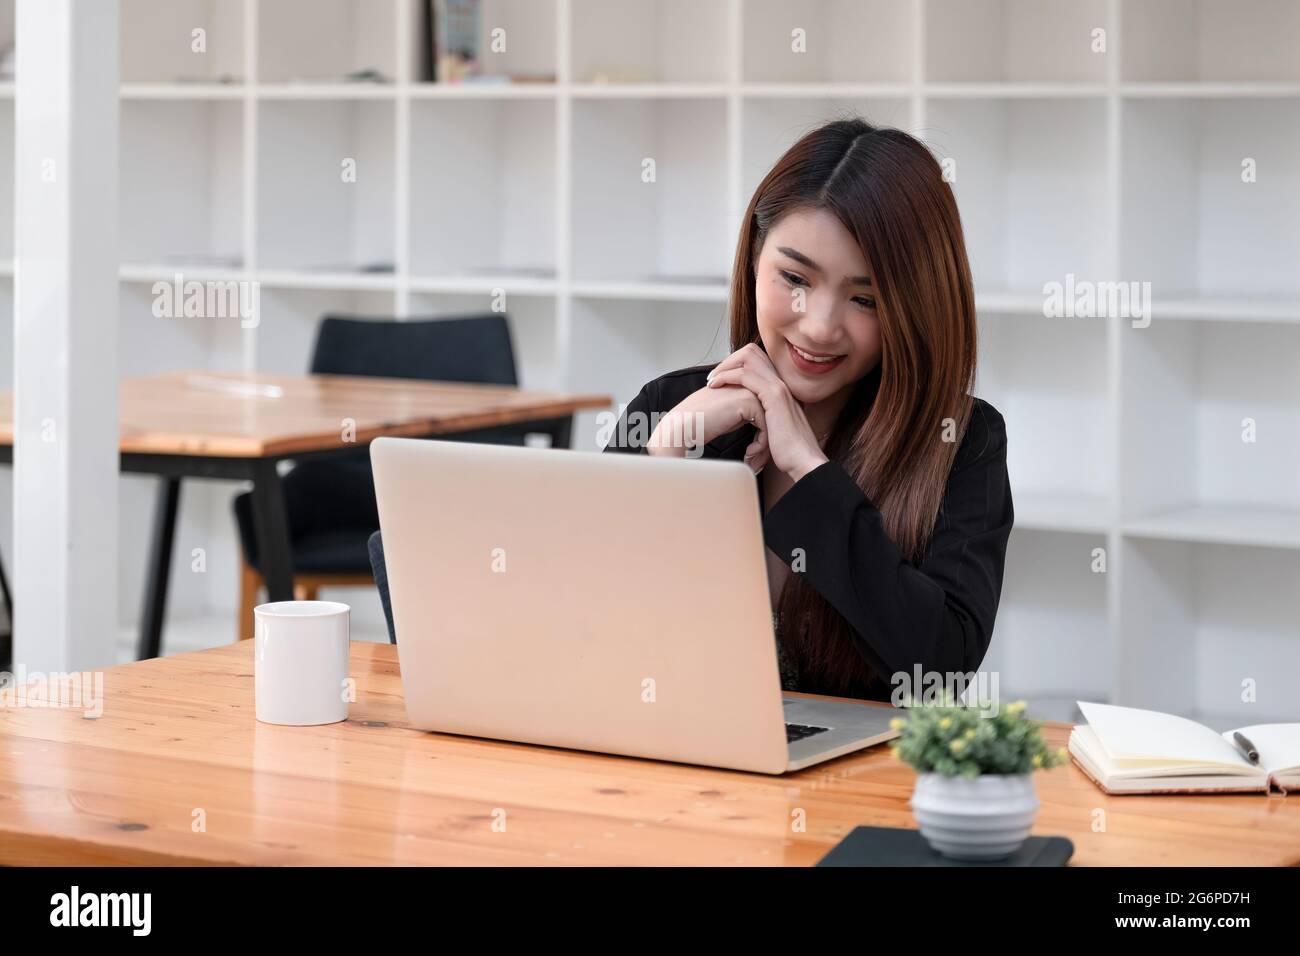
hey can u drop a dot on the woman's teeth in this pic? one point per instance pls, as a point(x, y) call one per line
point(813, 358)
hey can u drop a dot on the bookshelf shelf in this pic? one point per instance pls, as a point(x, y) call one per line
point(167, 271)
point(479, 91)
point(1225, 309)
point(325, 91)
point(1260, 527)
point(668, 291)
point(183, 91)
point(326, 279)
point(1208, 90)
point(1011, 90)
point(483, 285)
point(1124, 164)
point(647, 91)
point(1046, 511)
point(759, 91)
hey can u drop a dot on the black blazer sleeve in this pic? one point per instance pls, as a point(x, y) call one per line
point(626, 438)
point(662, 395)
point(938, 614)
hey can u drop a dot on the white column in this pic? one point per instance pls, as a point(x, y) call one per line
point(65, 334)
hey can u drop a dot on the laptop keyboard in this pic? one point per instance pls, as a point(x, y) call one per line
point(795, 732)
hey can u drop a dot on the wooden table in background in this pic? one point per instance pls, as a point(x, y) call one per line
point(178, 736)
point(200, 424)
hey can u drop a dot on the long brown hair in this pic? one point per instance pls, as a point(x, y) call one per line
point(889, 193)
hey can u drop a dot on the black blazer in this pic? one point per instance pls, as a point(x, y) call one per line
point(937, 614)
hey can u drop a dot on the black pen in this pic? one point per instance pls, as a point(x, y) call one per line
point(1246, 747)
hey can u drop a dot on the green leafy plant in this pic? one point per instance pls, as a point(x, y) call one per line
point(955, 740)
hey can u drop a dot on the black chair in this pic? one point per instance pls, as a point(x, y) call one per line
point(330, 503)
point(380, 571)
point(7, 634)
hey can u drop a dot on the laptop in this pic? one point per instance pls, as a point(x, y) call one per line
point(601, 602)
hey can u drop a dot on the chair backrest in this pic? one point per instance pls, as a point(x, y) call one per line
point(472, 348)
point(375, 545)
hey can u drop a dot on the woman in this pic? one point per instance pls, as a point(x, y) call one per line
point(883, 481)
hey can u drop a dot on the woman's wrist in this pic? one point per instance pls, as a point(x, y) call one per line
point(807, 465)
point(656, 444)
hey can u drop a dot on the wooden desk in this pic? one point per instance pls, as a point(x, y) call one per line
point(199, 424)
point(178, 735)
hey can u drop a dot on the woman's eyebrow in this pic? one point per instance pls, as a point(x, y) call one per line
point(798, 256)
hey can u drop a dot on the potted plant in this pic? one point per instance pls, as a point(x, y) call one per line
point(974, 798)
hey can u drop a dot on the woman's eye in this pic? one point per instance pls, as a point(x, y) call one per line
point(866, 301)
point(793, 279)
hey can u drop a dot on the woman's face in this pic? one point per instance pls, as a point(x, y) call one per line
point(816, 305)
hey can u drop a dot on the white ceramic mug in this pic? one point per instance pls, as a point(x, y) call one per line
point(301, 662)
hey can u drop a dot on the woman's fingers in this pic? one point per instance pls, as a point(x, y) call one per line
point(749, 378)
point(794, 445)
point(757, 454)
point(751, 411)
point(750, 356)
point(748, 408)
point(733, 360)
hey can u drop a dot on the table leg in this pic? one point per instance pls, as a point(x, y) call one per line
point(7, 637)
point(561, 432)
point(271, 525)
point(159, 571)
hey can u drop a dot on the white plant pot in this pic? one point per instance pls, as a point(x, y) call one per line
point(984, 818)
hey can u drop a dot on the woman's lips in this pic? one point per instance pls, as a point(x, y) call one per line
point(811, 367)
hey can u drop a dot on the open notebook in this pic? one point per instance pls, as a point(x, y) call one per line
point(1126, 750)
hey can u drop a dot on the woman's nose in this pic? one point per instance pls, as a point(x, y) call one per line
point(820, 325)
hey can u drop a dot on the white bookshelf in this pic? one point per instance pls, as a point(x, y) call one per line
point(1122, 165)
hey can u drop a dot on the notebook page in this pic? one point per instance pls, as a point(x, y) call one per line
point(1278, 745)
point(1128, 733)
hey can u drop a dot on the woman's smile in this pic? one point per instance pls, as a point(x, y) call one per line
point(813, 363)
